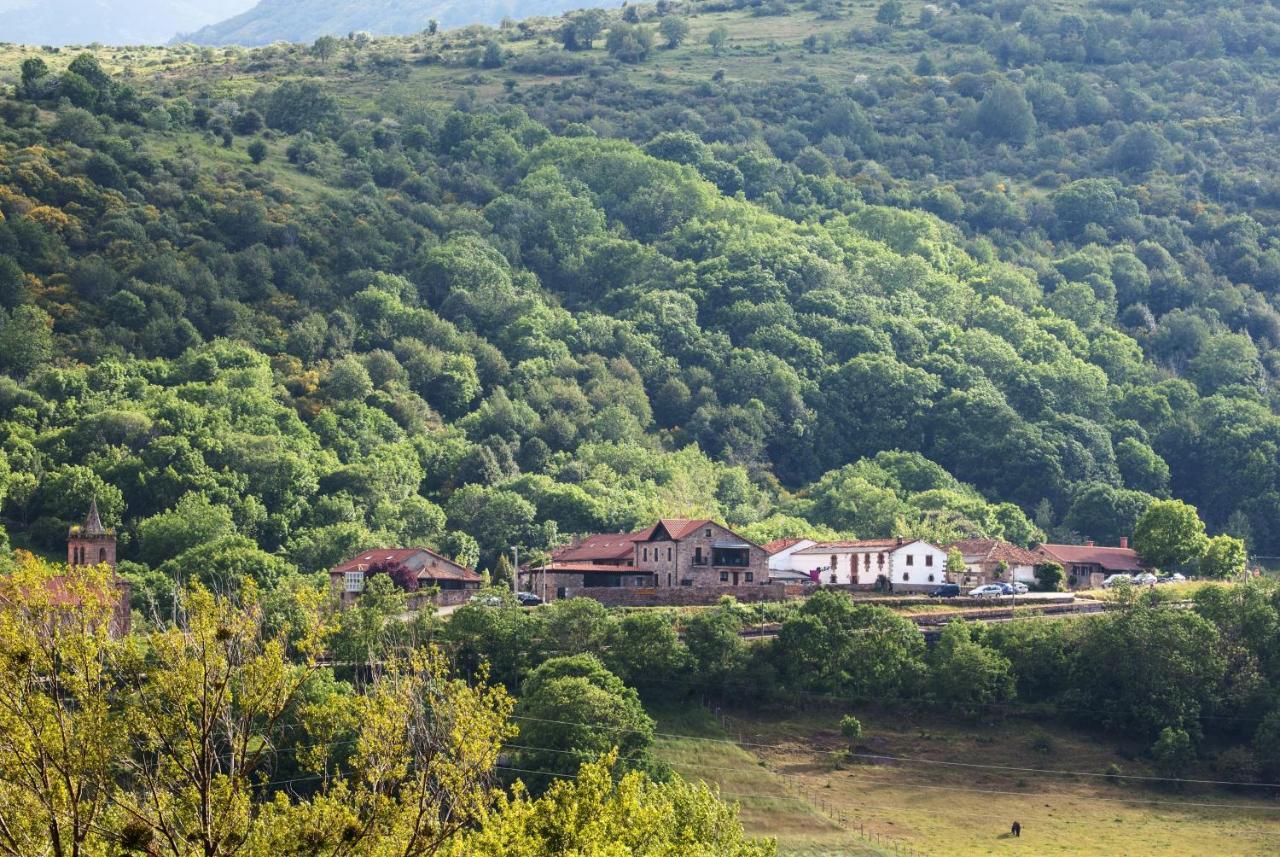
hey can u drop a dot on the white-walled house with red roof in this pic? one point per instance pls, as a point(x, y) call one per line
point(784, 564)
point(897, 564)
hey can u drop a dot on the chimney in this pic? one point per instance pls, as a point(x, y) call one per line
point(1124, 542)
point(1089, 543)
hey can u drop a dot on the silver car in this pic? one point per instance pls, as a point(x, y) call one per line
point(990, 590)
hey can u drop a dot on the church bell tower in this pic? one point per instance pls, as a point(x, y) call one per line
point(91, 543)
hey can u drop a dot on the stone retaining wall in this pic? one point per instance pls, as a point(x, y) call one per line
point(688, 596)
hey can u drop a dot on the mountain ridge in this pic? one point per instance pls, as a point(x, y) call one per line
point(114, 22)
point(305, 20)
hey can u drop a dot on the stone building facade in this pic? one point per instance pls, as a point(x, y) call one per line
point(683, 552)
point(674, 553)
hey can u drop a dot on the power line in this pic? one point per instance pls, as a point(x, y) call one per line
point(909, 785)
point(907, 759)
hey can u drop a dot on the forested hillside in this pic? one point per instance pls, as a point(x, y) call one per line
point(1004, 270)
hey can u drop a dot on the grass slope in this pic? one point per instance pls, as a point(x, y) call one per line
point(956, 810)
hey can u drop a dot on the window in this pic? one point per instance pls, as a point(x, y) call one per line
point(353, 581)
point(640, 581)
point(697, 556)
point(668, 578)
point(833, 577)
point(928, 560)
point(750, 576)
point(707, 533)
point(880, 559)
point(911, 559)
point(931, 578)
point(646, 554)
point(668, 554)
point(834, 560)
point(102, 555)
point(724, 577)
point(905, 577)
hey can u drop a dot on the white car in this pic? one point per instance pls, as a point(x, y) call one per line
point(1147, 579)
point(990, 590)
point(1173, 578)
point(1116, 578)
point(1020, 588)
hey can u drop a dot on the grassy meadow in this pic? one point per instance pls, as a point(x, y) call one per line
point(782, 771)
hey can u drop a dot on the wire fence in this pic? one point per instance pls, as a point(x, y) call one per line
point(819, 803)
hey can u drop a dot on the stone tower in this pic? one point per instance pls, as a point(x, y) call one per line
point(91, 543)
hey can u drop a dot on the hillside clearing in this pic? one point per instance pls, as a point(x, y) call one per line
point(959, 811)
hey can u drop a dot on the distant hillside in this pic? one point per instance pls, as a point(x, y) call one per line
point(304, 20)
point(111, 22)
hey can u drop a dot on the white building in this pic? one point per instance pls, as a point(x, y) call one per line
point(902, 565)
point(785, 566)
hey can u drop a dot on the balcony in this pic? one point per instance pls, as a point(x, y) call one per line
point(731, 555)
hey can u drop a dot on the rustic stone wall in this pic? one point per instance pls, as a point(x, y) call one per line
point(689, 596)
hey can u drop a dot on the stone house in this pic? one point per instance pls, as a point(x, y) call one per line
point(992, 560)
point(897, 564)
point(682, 552)
point(670, 554)
point(1087, 565)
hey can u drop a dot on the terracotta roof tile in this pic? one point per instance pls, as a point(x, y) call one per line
point(1110, 559)
point(779, 545)
point(605, 546)
point(820, 547)
point(994, 550)
point(444, 569)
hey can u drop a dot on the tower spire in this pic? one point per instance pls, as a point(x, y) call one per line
point(93, 522)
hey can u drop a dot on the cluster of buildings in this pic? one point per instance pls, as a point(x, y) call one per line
point(675, 556)
point(680, 553)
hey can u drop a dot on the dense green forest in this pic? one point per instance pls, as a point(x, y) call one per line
point(864, 268)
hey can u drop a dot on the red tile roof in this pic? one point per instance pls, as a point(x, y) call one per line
point(779, 545)
point(677, 528)
point(994, 550)
point(859, 543)
point(452, 571)
point(603, 547)
point(1110, 559)
point(444, 569)
point(368, 558)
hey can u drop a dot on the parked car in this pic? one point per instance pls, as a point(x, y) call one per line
point(487, 600)
point(1116, 578)
point(1172, 578)
point(528, 599)
point(990, 590)
point(1016, 588)
point(1146, 579)
point(946, 590)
